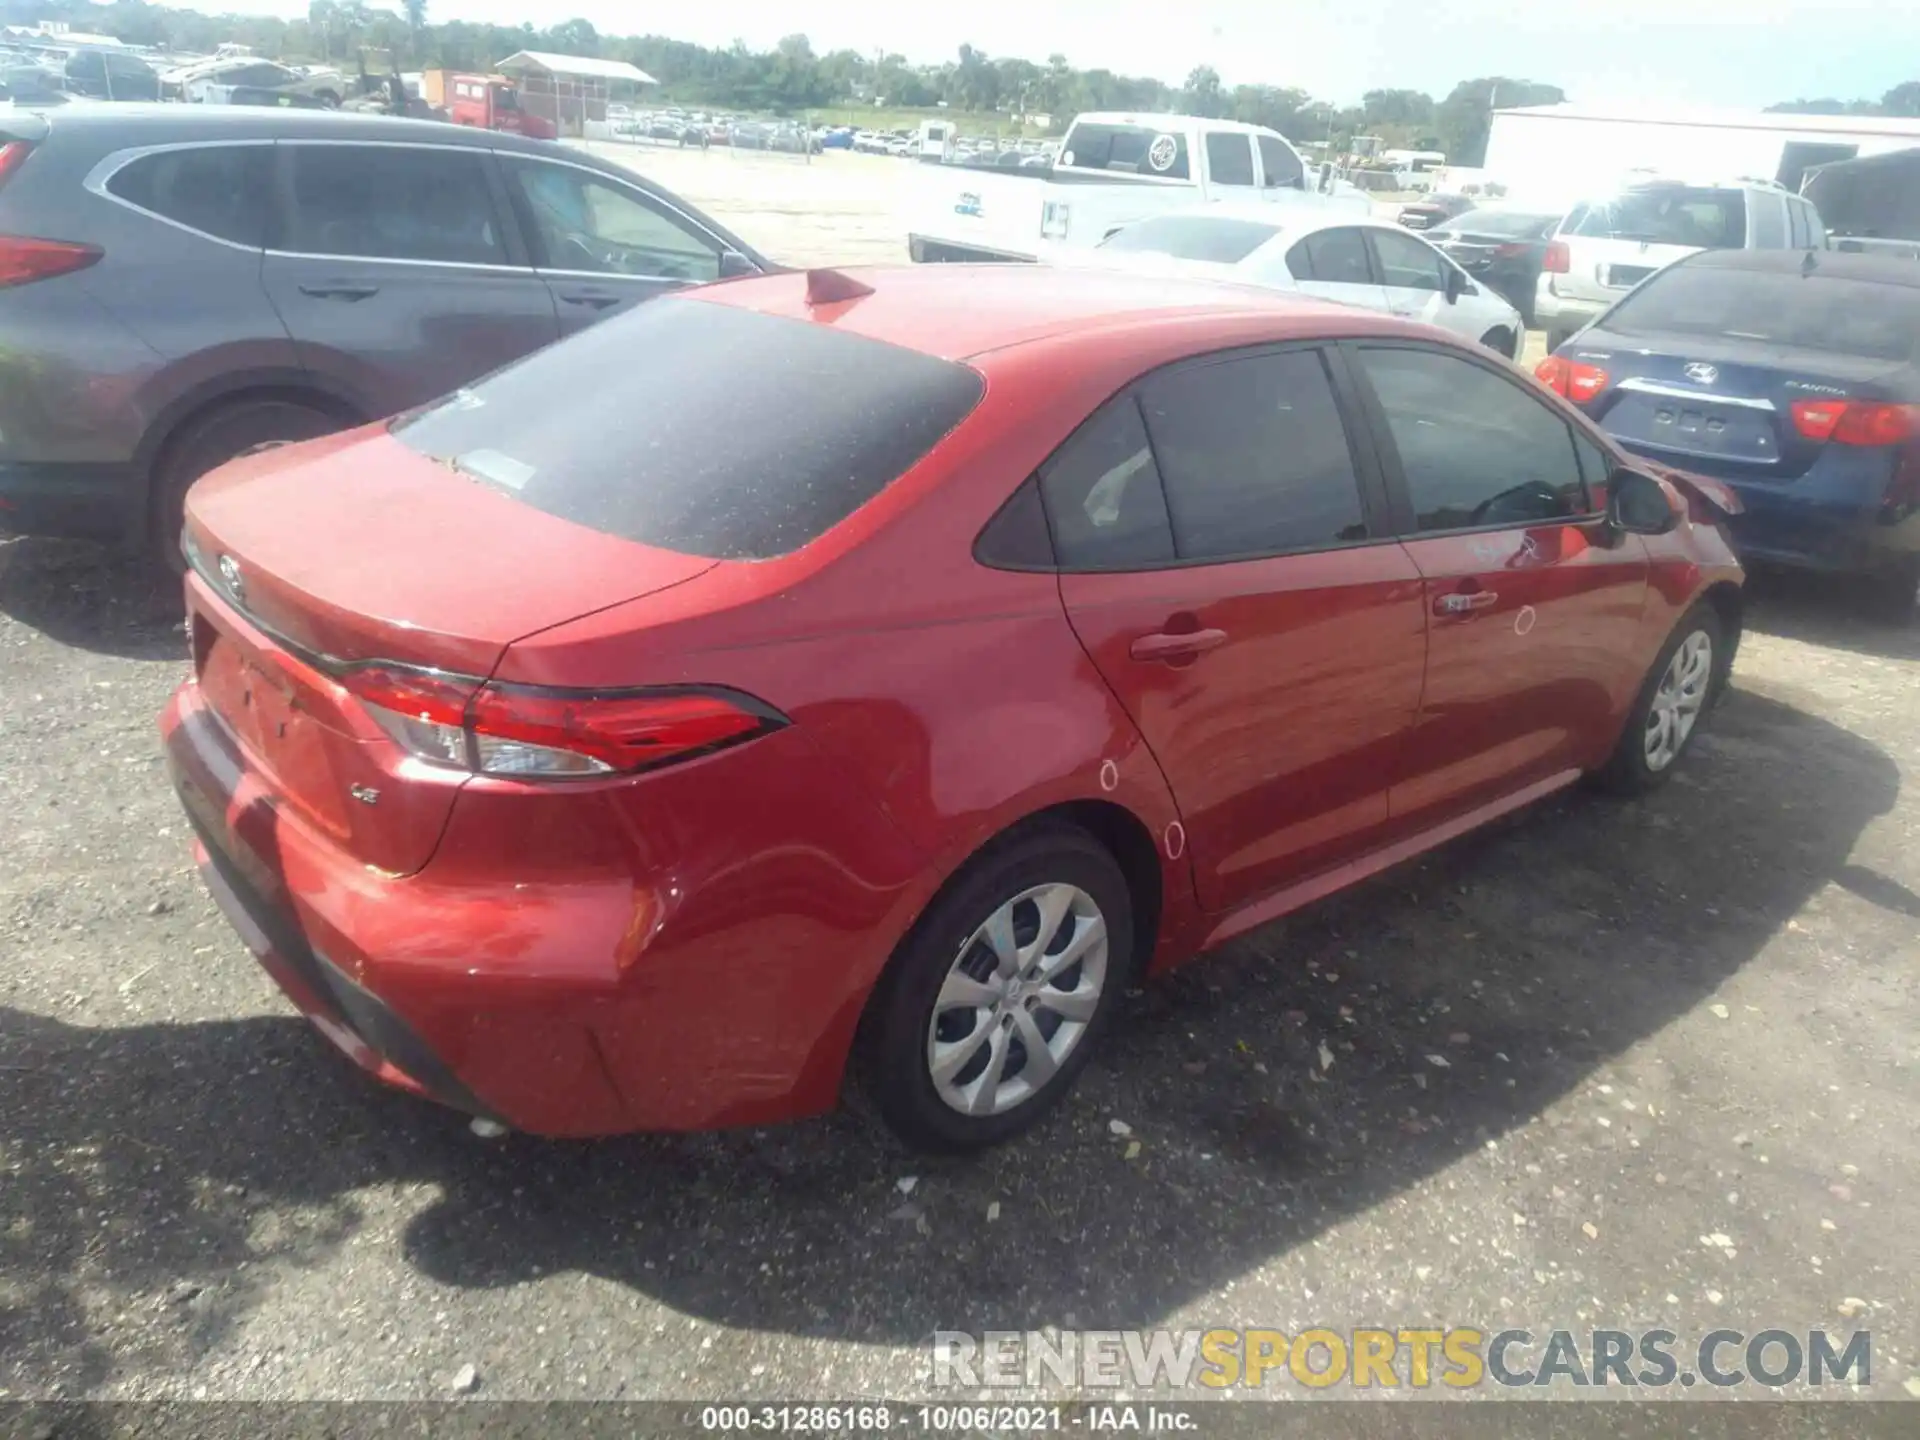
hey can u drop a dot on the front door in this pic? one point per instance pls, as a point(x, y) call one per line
point(1533, 602)
point(1413, 274)
point(601, 246)
point(392, 271)
point(1226, 571)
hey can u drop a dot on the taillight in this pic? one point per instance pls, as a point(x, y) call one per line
point(1579, 383)
point(1856, 422)
point(12, 155)
point(1509, 251)
point(23, 261)
point(1558, 260)
point(541, 732)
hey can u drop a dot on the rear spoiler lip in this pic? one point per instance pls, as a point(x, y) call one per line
point(1703, 489)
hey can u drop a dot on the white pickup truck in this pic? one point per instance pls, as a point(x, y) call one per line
point(1111, 169)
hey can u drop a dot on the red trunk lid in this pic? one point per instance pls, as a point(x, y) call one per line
point(357, 548)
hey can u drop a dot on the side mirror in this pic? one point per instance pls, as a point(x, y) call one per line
point(1639, 505)
point(1456, 284)
point(734, 265)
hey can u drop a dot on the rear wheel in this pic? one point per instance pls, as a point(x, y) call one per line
point(209, 442)
point(993, 1004)
point(1675, 698)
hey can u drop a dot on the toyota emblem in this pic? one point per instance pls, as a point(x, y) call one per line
point(1704, 373)
point(230, 577)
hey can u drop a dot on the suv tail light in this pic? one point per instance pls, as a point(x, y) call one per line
point(1856, 422)
point(538, 732)
point(23, 261)
point(1579, 383)
point(1558, 260)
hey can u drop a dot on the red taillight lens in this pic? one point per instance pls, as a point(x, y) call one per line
point(1558, 260)
point(1856, 422)
point(1579, 383)
point(23, 261)
point(537, 732)
point(12, 155)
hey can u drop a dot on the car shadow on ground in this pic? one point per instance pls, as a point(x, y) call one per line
point(1825, 610)
point(156, 1157)
point(92, 597)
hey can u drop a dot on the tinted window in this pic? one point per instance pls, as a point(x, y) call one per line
point(1816, 312)
point(699, 427)
point(1253, 457)
point(1768, 217)
point(269, 75)
point(1279, 166)
point(1799, 235)
point(220, 190)
point(584, 223)
point(1103, 494)
point(1407, 263)
point(1194, 237)
point(1229, 158)
point(1476, 449)
point(1506, 224)
point(392, 202)
point(1335, 257)
point(1668, 215)
point(1127, 149)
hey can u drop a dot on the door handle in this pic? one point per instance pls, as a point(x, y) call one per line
point(1188, 646)
point(1465, 602)
point(599, 300)
point(341, 290)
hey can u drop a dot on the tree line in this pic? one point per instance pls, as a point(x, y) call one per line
point(792, 78)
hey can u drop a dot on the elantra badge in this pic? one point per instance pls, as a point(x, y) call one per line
point(1705, 374)
point(230, 577)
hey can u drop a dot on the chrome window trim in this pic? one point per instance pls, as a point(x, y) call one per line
point(102, 174)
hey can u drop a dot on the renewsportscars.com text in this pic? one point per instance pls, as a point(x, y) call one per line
point(1458, 1358)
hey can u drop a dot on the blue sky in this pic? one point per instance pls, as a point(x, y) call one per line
point(1649, 52)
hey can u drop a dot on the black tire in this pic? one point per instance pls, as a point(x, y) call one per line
point(1892, 595)
point(1628, 770)
point(210, 441)
point(1500, 340)
point(899, 1025)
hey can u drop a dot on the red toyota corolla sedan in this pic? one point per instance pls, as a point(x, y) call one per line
point(892, 666)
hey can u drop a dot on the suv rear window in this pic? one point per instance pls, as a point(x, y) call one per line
point(1704, 218)
point(1127, 150)
point(700, 428)
point(1815, 312)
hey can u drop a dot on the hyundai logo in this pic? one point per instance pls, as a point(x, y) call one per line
point(1704, 373)
point(230, 577)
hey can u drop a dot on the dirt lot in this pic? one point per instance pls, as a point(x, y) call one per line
point(1606, 1065)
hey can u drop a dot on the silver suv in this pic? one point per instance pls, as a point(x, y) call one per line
point(186, 283)
point(1609, 244)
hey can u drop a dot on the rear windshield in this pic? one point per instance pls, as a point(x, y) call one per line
point(1194, 237)
point(1705, 219)
point(700, 428)
point(1844, 317)
point(1126, 150)
point(1507, 224)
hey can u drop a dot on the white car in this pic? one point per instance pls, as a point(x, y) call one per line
point(1368, 263)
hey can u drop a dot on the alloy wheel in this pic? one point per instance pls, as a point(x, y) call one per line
point(1678, 701)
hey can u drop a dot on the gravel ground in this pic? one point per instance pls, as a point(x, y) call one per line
point(1603, 1065)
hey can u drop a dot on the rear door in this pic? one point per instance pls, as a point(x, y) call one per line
point(1230, 169)
point(1533, 605)
point(600, 246)
point(397, 271)
point(1614, 244)
point(1227, 571)
point(1335, 264)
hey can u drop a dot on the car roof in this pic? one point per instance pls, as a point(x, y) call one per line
point(1828, 264)
point(137, 123)
point(960, 312)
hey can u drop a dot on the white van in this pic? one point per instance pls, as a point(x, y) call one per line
point(935, 141)
point(1610, 243)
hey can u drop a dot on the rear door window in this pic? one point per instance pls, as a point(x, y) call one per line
point(392, 202)
point(634, 427)
point(218, 190)
point(1253, 456)
point(1229, 158)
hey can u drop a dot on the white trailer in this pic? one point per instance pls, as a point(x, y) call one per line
point(1557, 154)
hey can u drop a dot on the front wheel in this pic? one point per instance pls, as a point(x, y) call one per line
point(1501, 341)
point(993, 1004)
point(1676, 696)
